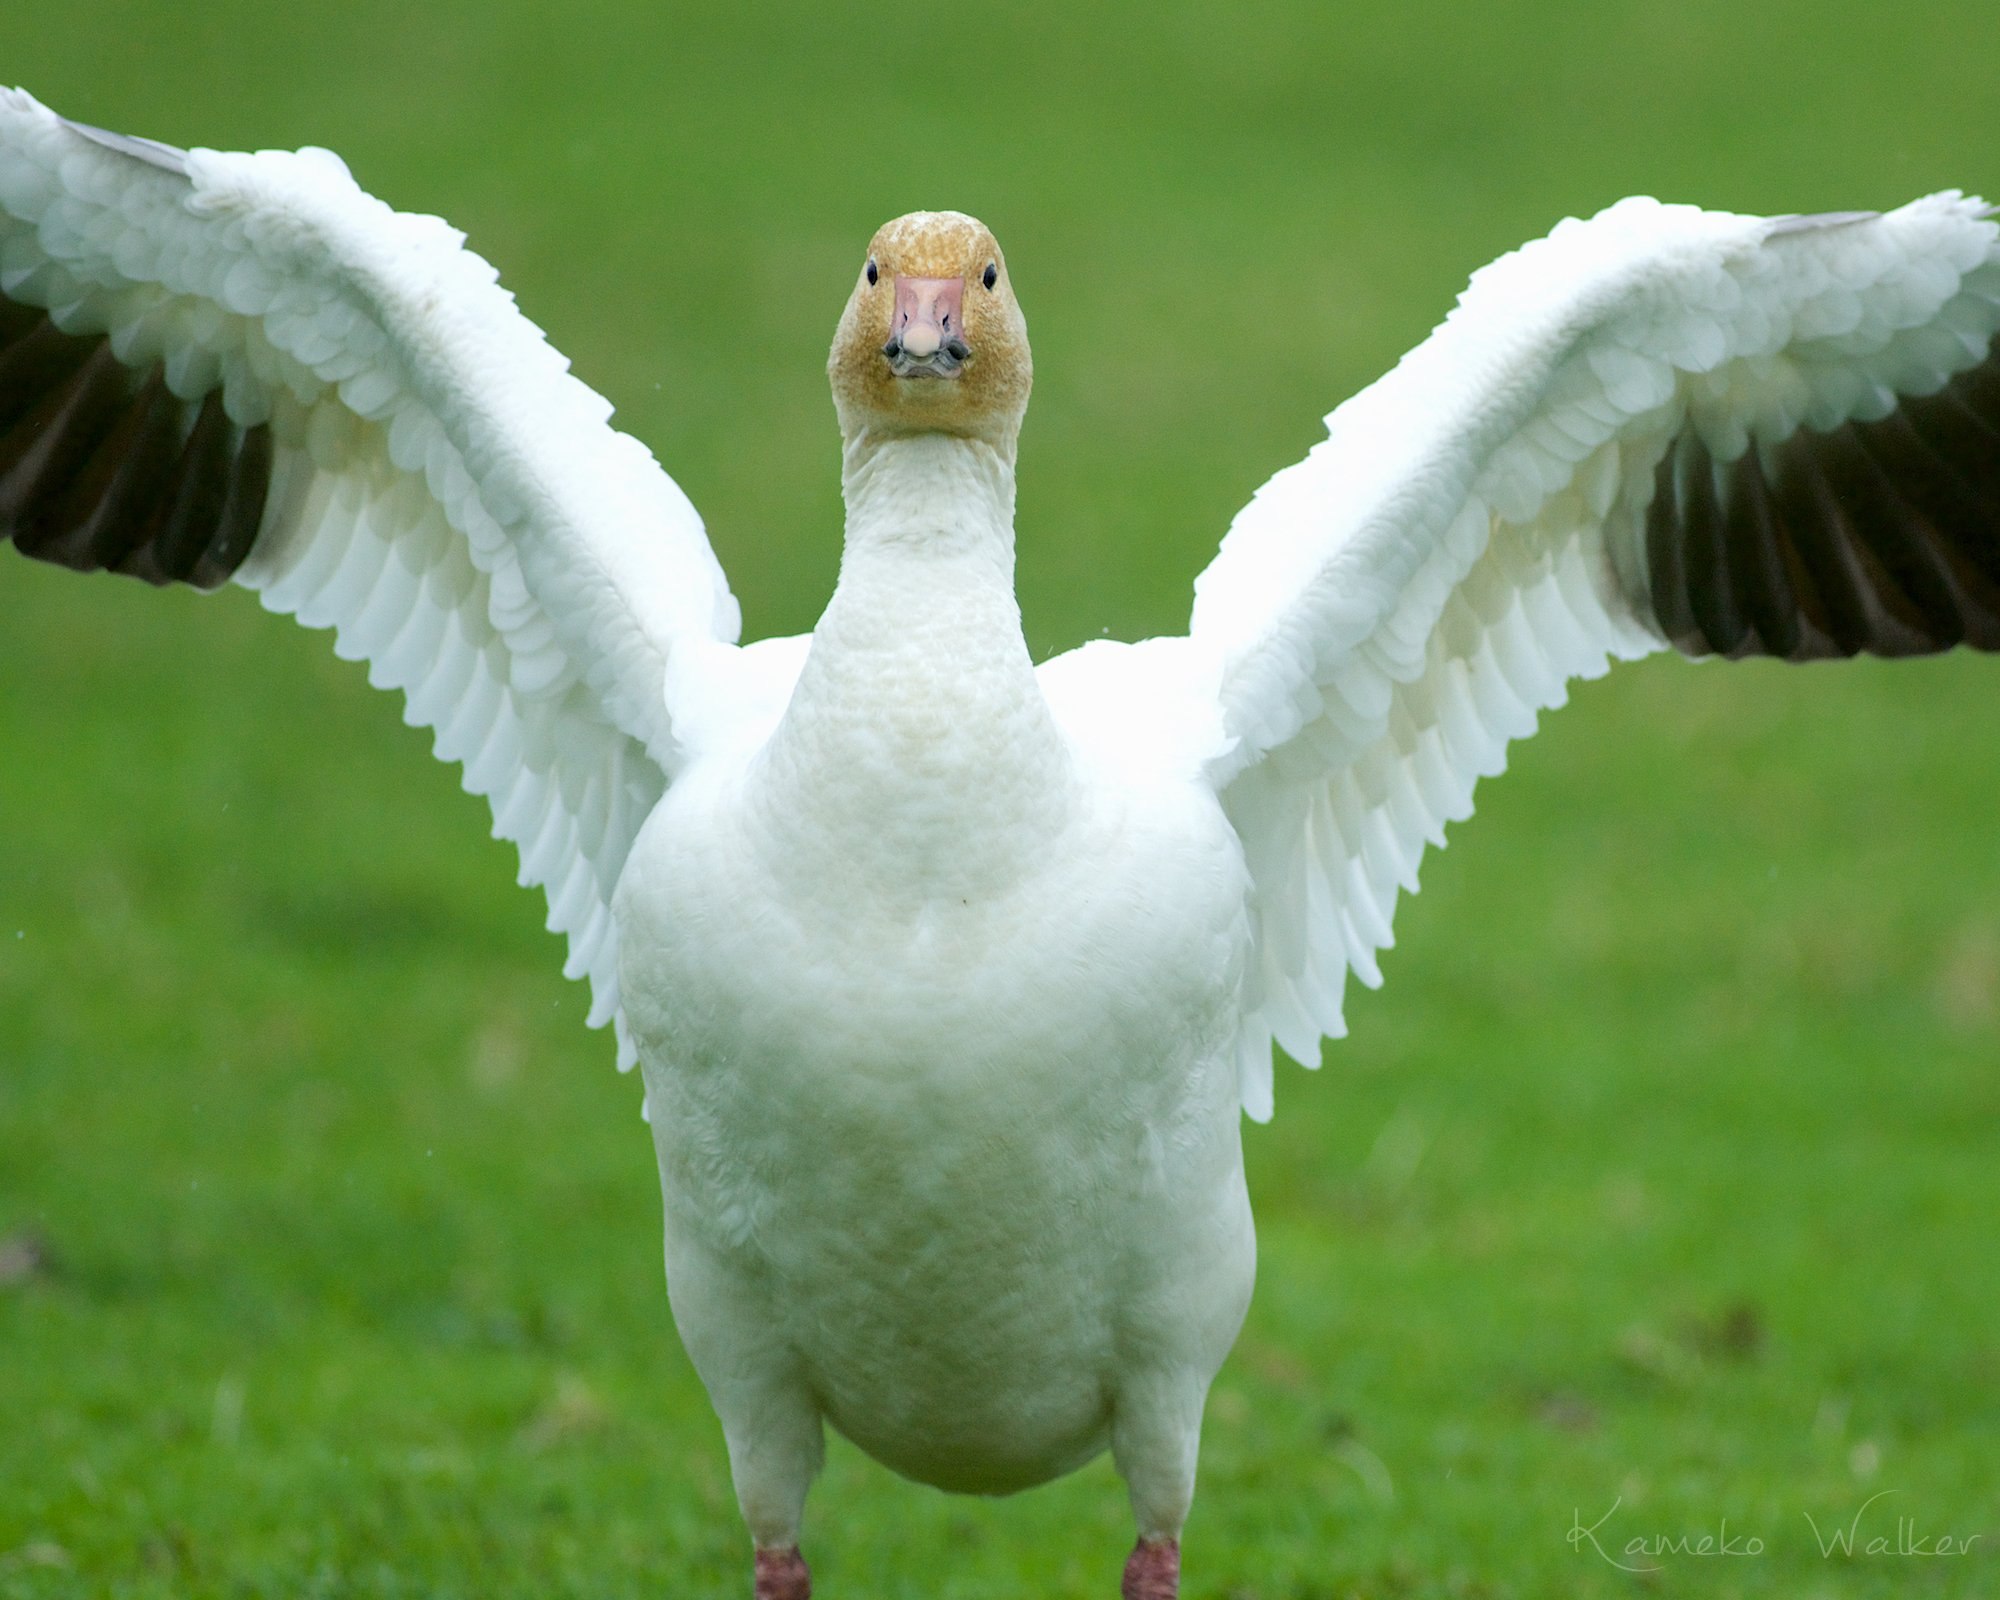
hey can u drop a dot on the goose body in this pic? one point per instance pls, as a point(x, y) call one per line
point(1043, 1172)
point(951, 977)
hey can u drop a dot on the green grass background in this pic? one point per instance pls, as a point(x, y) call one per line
point(1664, 1172)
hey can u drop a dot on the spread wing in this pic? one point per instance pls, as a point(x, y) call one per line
point(1731, 435)
point(240, 368)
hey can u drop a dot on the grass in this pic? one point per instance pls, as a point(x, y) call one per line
point(1662, 1174)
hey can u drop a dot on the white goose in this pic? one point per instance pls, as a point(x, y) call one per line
point(949, 976)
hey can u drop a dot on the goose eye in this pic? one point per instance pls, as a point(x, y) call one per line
point(991, 276)
point(872, 273)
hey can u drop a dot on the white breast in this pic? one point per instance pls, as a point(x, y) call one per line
point(954, 1133)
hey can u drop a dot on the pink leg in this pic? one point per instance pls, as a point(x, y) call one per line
point(782, 1575)
point(1153, 1571)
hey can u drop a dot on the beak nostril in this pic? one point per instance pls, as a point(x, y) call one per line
point(926, 331)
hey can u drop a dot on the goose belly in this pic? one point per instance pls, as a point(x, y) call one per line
point(945, 1145)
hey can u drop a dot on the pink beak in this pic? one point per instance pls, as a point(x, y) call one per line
point(928, 320)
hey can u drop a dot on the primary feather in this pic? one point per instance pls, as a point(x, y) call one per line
point(223, 367)
point(1734, 435)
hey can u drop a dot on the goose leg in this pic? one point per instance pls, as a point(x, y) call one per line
point(1152, 1571)
point(782, 1575)
point(774, 1441)
point(770, 1420)
point(1155, 1437)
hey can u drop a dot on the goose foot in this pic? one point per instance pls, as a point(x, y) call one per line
point(782, 1575)
point(1153, 1571)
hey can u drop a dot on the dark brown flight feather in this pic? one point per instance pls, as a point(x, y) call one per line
point(103, 468)
point(1874, 538)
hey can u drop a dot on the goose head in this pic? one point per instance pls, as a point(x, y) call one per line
point(932, 340)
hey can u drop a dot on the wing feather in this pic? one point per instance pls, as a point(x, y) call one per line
point(1732, 435)
point(221, 367)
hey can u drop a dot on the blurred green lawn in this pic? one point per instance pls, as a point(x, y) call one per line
point(1664, 1174)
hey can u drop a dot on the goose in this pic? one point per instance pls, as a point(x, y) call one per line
point(951, 977)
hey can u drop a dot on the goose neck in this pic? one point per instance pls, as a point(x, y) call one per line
point(933, 496)
point(917, 760)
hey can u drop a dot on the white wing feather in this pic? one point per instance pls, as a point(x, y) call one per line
point(1386, 615)
point(444, 495)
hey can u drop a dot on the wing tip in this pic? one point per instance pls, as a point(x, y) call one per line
point(1816, 221)
point(153, 152)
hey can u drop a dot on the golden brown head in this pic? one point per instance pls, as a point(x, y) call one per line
point(932, 340)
